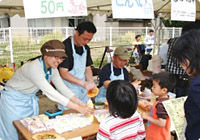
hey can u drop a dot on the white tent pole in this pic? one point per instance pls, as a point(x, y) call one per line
point(11, 47)
point(173, 32)
point(146, 31)
point(110, 36)
point(111, 53)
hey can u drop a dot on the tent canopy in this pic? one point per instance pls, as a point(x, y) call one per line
point(160, 6)
point(11, 7)
point(94, 6)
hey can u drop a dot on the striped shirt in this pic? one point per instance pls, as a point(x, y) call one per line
point(122, 129)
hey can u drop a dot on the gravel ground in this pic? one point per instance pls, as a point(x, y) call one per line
point(45, 104)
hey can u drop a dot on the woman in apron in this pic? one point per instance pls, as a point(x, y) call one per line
point(18, 98)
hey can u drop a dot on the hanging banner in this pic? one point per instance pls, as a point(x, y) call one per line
point(138, 9)
point(54, 8)
point(183, 10)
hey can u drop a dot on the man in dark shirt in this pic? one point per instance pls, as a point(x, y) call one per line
point(113, 71)
point(75, 70)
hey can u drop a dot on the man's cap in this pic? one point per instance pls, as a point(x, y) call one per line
point(53, 48)
point(122, 53)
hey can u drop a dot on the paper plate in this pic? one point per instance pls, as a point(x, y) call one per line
point(47, 136)
point(93, 92)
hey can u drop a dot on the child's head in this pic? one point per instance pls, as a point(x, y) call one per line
point(163, 83)
point(122, 99)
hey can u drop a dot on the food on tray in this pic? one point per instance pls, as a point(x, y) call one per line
point(37, 124)
point(145, 105)
point(60, 124)
point(46, 136)
point(93, 92)
point(99, 105)
point(106, 103)
point(144, 96)
point(101, 114)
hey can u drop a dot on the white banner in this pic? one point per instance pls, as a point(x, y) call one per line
point(138, 9)
point(183, 10)
point(54, 8)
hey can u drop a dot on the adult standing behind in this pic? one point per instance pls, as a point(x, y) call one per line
point(18, 98)
point(137, 42)
point(163, 53)
point(136, 51)
point(113, 71)
point(172, 66)
point(149, 41)
point(75, 70)
point(187, 51)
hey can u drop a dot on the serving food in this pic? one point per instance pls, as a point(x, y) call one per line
point(99, 105)
point(106, 103)
point(101, 114)
point(143, 96)
point(145, 105)
point(47, 136)
point(93, 92)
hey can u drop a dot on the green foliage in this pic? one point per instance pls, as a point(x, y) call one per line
point(132, 60)
point(54, 35)
point(96, 62)
point(128, 38)
point(169, 23)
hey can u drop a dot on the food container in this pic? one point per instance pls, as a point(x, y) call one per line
point(93, 92)
point(101, 114)
point(99, 105)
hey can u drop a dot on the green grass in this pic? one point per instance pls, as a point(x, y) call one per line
point(24, 48)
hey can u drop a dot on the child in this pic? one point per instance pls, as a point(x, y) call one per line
point(159, 127)
point(124, 122)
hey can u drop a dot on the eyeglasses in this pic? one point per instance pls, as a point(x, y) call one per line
point(59, 58)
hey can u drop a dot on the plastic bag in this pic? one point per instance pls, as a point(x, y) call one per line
point(6, 73)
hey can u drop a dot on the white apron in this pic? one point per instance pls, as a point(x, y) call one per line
point(15, 105)
point(101, 97)
point(78, 71)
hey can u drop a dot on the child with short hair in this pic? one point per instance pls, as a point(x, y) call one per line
point(159, 127)
point(124, 122)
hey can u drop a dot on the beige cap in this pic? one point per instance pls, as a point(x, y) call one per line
point(122, 53)
point(53, 48)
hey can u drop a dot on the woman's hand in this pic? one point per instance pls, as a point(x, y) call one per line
point(89, 85)
point(86, 110)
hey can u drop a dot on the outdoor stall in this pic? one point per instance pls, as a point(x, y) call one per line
point(85, 132)
point(29, 128)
